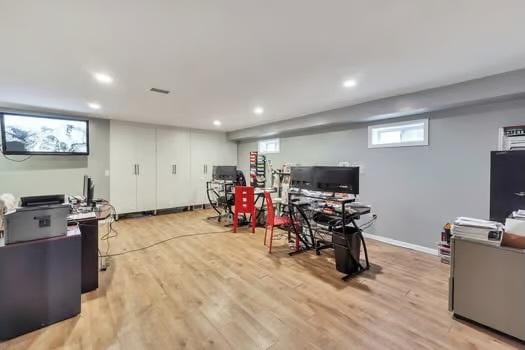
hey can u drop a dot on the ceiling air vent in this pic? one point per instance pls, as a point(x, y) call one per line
point(159, 91)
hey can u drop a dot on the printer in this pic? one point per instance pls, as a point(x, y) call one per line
point(29, 223)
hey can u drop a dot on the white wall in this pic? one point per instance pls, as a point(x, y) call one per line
point(414, 190)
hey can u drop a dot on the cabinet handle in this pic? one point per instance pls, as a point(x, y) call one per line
point(174, 169)
point(204, 169)
point(134, 169)
point(138, 169)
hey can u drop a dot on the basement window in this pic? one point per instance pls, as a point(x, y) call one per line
point(269, 146)
point(408, 133)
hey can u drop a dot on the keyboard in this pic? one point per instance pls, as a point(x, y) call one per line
point(81, 216)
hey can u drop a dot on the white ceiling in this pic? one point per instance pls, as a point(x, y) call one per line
point(221, 58)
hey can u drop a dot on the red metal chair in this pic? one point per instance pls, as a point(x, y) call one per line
point(244, 204)
point(272, 220)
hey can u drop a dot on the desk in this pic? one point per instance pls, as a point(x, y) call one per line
point(89, 230)
point(40, 284)
point(317, 216)
point(259, 195)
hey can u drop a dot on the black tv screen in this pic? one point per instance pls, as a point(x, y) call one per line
point(24, 134)
point(337, 179)
point(302, 177)
point(224, 172)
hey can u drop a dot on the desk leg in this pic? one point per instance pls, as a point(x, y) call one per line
point(259, 196)
point(89, 231)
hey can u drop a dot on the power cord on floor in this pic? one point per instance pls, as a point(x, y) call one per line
point(369, 223)
point(163, 241)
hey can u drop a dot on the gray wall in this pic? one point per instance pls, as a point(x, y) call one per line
point(60, 174)
point(414, 190)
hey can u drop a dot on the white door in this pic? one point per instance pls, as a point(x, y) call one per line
point(202, 153)
point(123, 178)
point(145, 148)
point(173, 168)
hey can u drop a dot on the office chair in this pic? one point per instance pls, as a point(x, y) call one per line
point(244, 204)
point(272, 220)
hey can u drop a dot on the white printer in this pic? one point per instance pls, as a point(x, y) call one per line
point(37, 222)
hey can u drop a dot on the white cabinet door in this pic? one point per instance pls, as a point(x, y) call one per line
point(173, 168)
point(145, 148)
point(123, 178)
point(203, 150)
point(132, 167)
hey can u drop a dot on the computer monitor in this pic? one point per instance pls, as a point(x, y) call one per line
point(85, 186)
point(301, 177)
point(89, 190)
point(225, 173)
point(336, 179)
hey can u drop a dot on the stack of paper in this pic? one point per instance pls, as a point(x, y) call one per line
point(482, 230)
point(519, 214)
point(515, 226)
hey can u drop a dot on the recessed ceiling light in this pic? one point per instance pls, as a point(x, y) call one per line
point(258, 110)
point(217, 123)
point(103, 78)
point(94, 105)
point(349, 83)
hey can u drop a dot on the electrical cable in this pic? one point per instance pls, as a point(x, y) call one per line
point(369, 222)
point(106, 236)
point(17, 160)
point(164, 241)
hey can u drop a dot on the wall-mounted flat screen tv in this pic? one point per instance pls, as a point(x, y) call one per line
point(24, 134)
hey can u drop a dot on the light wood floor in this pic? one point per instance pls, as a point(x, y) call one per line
point(224, 290)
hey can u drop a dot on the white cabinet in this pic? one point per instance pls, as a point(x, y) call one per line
point(132, 167)
point(208, 149)
point(173, 168)
point(203, 152)
point(146, 170)
point(163, 167)
point(123, 168)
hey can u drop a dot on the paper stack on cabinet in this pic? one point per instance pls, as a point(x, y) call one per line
point(519, 214)
point(478, 229)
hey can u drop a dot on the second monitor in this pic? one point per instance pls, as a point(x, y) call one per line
point(337, 179)
point(225, 173)
point(326, 178)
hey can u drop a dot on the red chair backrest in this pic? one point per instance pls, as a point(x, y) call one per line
point(270, 215)
point(244, 199)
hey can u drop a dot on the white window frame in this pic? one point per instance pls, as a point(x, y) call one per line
point(264, 142)
point(424, 142)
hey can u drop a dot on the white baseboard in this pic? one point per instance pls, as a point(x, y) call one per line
point(395, 242)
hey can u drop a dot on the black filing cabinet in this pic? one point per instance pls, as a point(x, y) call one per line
point(507, 183)
point(40, 284)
